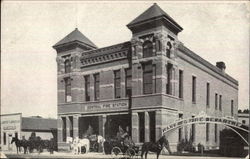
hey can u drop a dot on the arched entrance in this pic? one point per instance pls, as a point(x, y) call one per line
point(200, 119)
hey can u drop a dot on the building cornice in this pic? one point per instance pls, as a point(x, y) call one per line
point(205, 63)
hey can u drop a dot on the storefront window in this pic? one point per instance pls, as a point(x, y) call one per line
point(4, 138)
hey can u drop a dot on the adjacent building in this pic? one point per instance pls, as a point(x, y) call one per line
point(243, 118)
point(141, 85)
point(14, 125)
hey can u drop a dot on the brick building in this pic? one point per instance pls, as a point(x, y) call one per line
point(140, 85)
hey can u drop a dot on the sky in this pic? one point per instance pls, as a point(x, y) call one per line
point(216, 31)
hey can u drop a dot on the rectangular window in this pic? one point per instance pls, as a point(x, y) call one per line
point(71, 126)
point(64, 129)
point(208, 95)
point(97, 86)
point(180, 84)
point(67, 66)
point(193, 131)
point(232, 107)
point(216, 101)
point(193, 89)
point(147, 78)
point(169, 78)
point(220, 102)
point(141, 126)
point(215, 132)
point(154, 78)
point(68, 89)
point(117, 84)
point(128, 82)
point(4, 138)
point(180, 129)
point(87, 87)
point(207, 132)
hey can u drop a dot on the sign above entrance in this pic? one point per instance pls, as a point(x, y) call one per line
point(202, 119)
point(106, 106)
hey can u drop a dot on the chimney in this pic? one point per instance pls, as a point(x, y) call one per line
point(221, 65)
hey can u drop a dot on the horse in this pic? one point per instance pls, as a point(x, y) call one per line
point(83, 143)
point(101, 140)
point(155, 147)
point(77, 145)
point(20, 143)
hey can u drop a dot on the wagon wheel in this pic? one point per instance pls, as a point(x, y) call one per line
point(95, 147)
point(130, 153)
point(116, 152)
point(138, 153)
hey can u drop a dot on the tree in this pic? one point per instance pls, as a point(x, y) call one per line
point(246, 111)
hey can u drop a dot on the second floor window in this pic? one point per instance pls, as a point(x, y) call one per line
point(220, 102)
point(148, 78)
point(169, 78)
point(117, 85)
point(67, 66)
point(208, 95)
point(67, 89)
point(87, 88)
point(148, 49)
point(97, 86)
point(232, 107)
point(193, 89)
point(180, 84)
point(128, 83)
point(216, 101)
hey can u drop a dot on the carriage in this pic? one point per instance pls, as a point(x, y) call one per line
point(122, 149)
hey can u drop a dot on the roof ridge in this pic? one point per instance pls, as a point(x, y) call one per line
point(153, 11)
point(73, 36)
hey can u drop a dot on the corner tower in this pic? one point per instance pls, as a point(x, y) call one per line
point(69, 49)
point(69, 86)
point(154, 60)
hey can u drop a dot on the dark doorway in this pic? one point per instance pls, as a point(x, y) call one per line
point(88, 126)
point(113, 123)
point(142, 126)
point(152, 126)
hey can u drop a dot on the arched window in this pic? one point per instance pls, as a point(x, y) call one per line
point(67, 66)
point(147, 49)
point(168, 50)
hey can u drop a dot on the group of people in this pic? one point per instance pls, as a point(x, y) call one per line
point(124, 137)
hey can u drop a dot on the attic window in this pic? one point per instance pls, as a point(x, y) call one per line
point(147, 49)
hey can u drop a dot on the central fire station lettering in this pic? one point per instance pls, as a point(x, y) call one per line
point(201, 120)
point(107, 106)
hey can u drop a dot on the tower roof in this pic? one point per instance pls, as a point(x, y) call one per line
point(151, 13)
point(75, 36)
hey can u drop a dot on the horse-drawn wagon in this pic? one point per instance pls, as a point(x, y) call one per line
point(124, 148)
